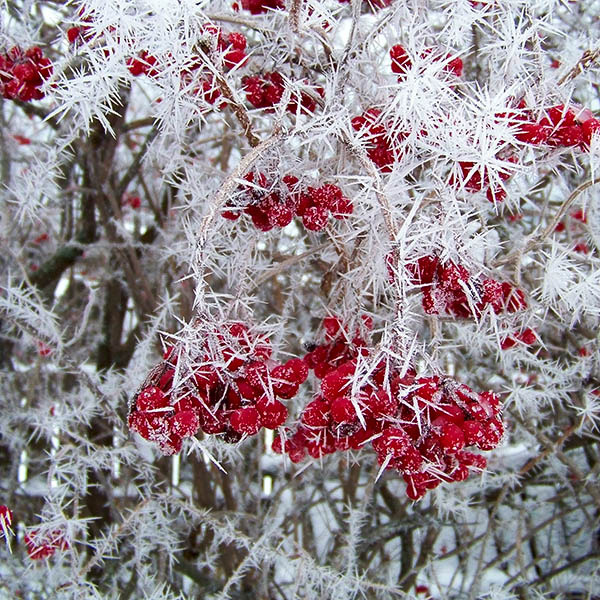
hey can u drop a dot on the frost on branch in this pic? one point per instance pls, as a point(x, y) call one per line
point(299, 299)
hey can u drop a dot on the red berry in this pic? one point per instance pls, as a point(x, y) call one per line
point(382, 404)
point(299, 368)
point(315, 218)
point(185, 423)
point(342, 410)
point(473, 432)
point(493, 430)
point(401, 62)
point(151, 398)
point(246, 420)
point(316, 414)
point(273, 413)
point(451, 438)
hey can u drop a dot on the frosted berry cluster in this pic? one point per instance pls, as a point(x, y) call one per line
point(266, 90)
point(475, 178)
point(6, 519)
point(256, 7)
point(40, 547)
point(231, 390)
point(526, 337)
point(449, 288)
point(381, 139)
point(227, 49)
point(560, 127)
point(142, 64)
point(22, 73)
point(269, 208)
point(402, 63)
point(419, 427)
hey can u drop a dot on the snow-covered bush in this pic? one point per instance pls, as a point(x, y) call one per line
point(300, 299)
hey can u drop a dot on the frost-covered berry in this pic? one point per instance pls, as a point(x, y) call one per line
point(246, 420)
point(273, 413)
point(342, 410)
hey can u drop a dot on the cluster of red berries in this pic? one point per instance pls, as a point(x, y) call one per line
point(22, 73)
point(38, 547)
point(577, 231)
point(382, 147)
point(6, 518)
point(266, 90)
point(402, 63)
point(229, 48)
point(449, 288)
point(417, 426)
point(142, 64)
point(269, 208)
point(46, 546)
point(256, 7)
point(527, 337)
point(231, 390)
point(560, 126)
point(475, 178)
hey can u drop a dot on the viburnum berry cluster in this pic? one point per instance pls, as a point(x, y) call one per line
point(449, 288)
point(44, 546)
point(402, 63)
point(269, 207)
point(419, 426)
point(39, 546)
point(142, 64)
point(226, 49)
point(527, 337)
point(266, 90)
point(382, 140)
point(560, 126)
point(23, 73)
point(257, 7)
point(6, 519)
point(474, 178)
point(230, 389)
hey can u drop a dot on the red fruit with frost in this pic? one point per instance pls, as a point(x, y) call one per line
point(247, 390)
point(273, 413)
point(473, 432)
point(451, 438)
point(342, 410)
point(315, 218)
point(316, 414)
point(567, 135)
point(299, 368)
point(40, 547)
point(151, 398)
point(213, 422)
point(533, 133)
point(451, 276)
point(588, 129)
point(185, 423)
point(476, 461)
point(245, 421)
point(514, 299)
point(493, 430)
point(381, 404)
point(284, 381)
point(424, 270)
point(401, 62)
